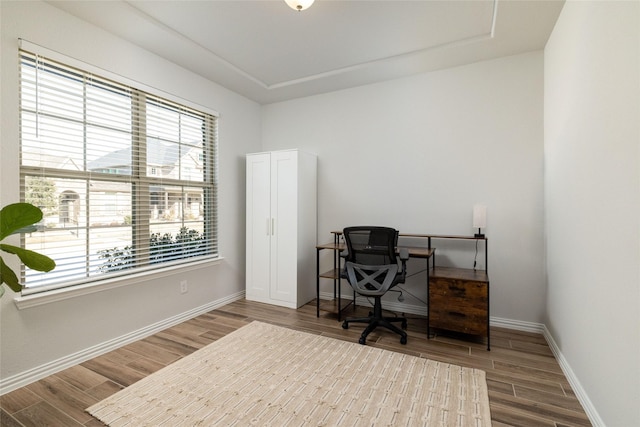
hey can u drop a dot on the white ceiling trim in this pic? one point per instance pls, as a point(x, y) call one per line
point(455, 43)
point(331, 73)
point(356, 67)
point(179, 35)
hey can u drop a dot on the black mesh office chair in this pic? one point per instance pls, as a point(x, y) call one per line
point(372, 268)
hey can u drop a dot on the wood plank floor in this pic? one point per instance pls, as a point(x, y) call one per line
point(526, 385)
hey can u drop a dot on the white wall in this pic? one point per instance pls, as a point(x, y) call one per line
point(417, 153)
point(35, 336)
point(592, 196)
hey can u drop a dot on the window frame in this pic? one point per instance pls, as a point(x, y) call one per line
point(89, 284)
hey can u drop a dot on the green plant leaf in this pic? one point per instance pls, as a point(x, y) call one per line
point(9, 277)
point(31, 259)
point(16, 216)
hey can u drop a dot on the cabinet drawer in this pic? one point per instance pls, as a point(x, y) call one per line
point(445, 302)
point(455, 288)
point(468, 322)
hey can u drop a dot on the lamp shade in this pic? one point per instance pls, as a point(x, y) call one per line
point(479, 216)
point(299, 4)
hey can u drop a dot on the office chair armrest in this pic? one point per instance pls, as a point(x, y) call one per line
point(343, 271)
point(404, 256)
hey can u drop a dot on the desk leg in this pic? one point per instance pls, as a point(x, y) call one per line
point(488, 322)
point(317, 282)
point(339, 299)
point(428, 303)
point(336, 261)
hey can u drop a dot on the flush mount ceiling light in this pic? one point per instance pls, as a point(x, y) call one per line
point(299, 4)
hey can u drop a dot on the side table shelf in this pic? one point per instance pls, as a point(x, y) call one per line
point(331, 274)
point(337, 304)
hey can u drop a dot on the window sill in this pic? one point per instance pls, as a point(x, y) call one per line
point(47, 297)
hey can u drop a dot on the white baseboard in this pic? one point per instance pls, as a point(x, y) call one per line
point(580, 392)
point(24, 378)
point(517, 325)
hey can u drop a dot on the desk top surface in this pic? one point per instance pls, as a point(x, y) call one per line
point(426, 236)
point(415, 252)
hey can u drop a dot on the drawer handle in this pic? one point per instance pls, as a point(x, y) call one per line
point(456, 314)
point(458, 289)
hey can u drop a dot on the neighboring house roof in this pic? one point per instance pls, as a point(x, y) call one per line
point(45, 160)
point(158, 154)
point(120, 159)
point(162, 154)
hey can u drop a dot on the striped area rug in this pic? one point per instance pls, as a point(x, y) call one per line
point(265, 375)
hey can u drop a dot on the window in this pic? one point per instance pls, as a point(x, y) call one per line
point(126, 179)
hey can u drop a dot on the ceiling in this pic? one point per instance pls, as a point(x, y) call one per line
point(268, 52)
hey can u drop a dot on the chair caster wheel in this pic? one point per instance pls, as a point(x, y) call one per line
point(403, 340)
point(345, 325)
point(362, 340)
point(404, 324)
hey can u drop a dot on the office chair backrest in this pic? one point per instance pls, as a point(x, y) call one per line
point(372, 270)
point(370, 245)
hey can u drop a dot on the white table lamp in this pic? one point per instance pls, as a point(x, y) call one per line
point(479, 219)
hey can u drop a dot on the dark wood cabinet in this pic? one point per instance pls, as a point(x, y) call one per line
point(459, 301)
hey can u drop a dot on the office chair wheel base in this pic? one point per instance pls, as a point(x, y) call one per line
point(403, 340)
point(404, 324)
point(362, 340)
point(345, 325)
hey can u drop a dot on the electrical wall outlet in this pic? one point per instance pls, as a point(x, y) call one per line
point(183, 287)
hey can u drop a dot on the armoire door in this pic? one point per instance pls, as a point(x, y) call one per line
point(284, 213)
point(259, 226)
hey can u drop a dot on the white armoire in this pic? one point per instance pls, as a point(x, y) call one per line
point(281, 227)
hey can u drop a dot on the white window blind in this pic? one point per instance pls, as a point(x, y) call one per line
point(127, 180)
